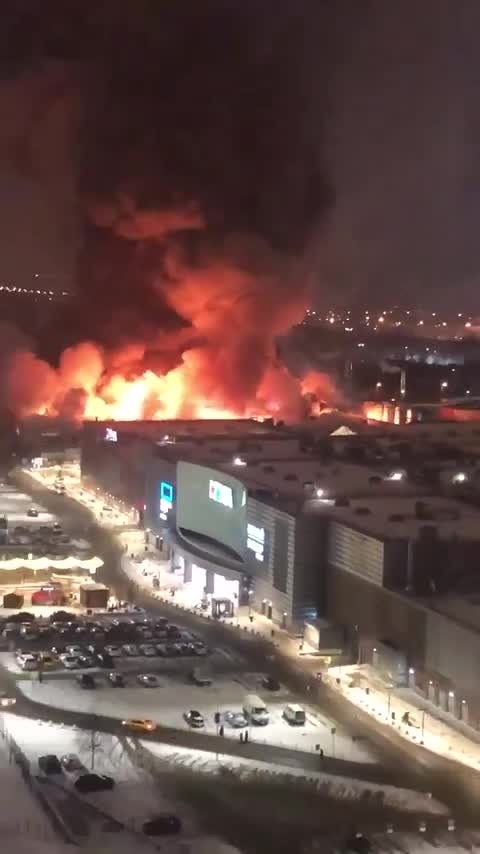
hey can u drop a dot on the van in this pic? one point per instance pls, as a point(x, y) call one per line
point(200, 679)
point(294, 714)
point(255, 710)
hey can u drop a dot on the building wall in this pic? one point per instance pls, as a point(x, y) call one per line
point(117, 467)
point(352, 551)
point(309, 584)
point(380, 614)
point(159, 470)
point(264, 516)
point(453, 651)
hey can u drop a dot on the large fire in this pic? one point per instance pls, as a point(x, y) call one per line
point(92, 384)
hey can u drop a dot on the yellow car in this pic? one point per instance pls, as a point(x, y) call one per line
point(140, 724)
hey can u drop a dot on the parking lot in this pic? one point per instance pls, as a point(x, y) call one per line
point(76, 658)
point(173, 696)
point(16, 506)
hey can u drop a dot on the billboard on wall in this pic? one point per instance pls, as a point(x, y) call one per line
point(212, 504)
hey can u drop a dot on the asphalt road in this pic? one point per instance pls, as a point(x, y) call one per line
point(404, 764)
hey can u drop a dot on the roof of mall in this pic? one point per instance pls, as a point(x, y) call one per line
point(396, 517)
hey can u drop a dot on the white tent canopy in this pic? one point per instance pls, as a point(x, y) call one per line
point(343, 431)
point(91, 565)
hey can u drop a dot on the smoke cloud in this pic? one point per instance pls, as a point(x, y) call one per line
point(199, 182)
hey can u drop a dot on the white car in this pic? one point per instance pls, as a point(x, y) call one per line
point(130, 649)
point(74, 649)
point(147, 649)
point(149, 680)
point(69, 661)
point(114, 651)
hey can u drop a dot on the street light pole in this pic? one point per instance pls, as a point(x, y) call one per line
point(389, 701)
point(423, 724)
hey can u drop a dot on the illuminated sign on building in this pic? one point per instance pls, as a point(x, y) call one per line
point(166, 499)
point(220, 493)
point(256, 541)
point(111, 435)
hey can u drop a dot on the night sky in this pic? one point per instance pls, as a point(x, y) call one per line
point(342, 133)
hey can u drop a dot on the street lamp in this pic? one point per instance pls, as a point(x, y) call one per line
point(423, 724)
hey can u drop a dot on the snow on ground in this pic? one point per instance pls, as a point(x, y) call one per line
point(24, 827)
point(167, 707)
point(344, 788)
point(14, 505)
point(136, 796)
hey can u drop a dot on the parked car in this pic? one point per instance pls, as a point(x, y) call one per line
point(194, 719)
point(199, 648)
point(236, 720)
point(162, 825)
point(149, 680)
point(200, 679)
point(29, 662)
point(139, 724)
point(105, 660)
point(294, 714)
point(94, 783)
point(173, 632)
point(147, 649)
point(93, 648)
point(46, 660)
point(85, 680)
point(116, 679)
point(87, 661)
point(58, 649)
point(49, 764)
point(113, 650)
point(32, 512)
point(71, 763)
point(130, 649)
point(270, 683)
point(70, 662)
point(74, 649)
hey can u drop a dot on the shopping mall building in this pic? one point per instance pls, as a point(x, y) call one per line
point(263, 516)
point(230, 536)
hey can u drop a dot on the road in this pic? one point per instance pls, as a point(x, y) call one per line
point(403, 763)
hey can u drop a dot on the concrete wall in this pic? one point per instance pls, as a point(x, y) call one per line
point(453, 651)
point(309, 584)
point(262, 515)
point(380, 614)
point(354, 552)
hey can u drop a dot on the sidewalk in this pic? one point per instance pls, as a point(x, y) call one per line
point(427, 728)
point(148, 563)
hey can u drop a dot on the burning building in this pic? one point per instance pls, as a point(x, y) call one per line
point(193, 243)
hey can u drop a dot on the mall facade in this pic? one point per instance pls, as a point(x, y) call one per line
point(225, 539)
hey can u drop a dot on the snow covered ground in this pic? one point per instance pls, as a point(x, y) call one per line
point(136, 796)
point(344, 788)
point(168, 703)
point(14, 505)
point(24, 827)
